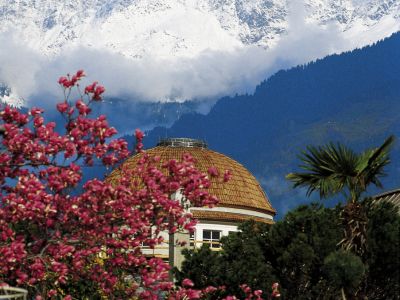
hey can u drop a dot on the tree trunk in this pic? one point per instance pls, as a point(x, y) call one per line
point(354, 221)
point(171, 248)
point(343, 294)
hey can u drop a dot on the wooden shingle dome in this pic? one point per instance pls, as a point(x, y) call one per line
point(240, 198)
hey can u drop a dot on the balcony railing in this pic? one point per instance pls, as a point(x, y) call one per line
point(162, 250)
point(9, 292)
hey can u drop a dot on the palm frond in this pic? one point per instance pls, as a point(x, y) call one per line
point(331, 168)
point(372, 163)
point(326, 169)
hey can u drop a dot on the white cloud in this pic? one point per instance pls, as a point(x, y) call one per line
point(18, 65)
point(210, 74)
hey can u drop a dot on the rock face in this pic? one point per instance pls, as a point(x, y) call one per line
point(185, 28)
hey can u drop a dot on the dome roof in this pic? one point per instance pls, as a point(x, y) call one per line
point(242, 192)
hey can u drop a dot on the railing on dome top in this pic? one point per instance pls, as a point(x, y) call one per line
point(9, 292)
point(182, 142)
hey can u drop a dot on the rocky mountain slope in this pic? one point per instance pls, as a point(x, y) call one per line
point(185, 28)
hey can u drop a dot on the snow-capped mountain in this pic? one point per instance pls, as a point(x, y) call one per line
point(185, 28)
point(175, 50)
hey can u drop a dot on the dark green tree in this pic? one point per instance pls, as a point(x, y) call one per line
point(202, 266)
point(243, 259)
point(290, 252)
point(344, 270)
point(298, 246)
point(300, 252)
point(383, 251)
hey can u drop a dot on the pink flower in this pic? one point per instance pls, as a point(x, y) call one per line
point(62, 107)
point(213, 171)
point(64, 82)
point(80, 74)
point(38, 121)
point(139, 137)
point(139, 134)
point(51, 293)
point(82, 107)
point(90, 88)
point(227, 175)
point(97, 92)
point(245, 288)
point(193, 294)
point(39, 171)
point(275, 291)
point(187, 283)
point(210, 289)
point(36, 111)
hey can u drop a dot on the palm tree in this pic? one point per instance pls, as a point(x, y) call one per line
point(335, 168)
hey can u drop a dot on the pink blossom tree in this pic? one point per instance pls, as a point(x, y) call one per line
point(60, 243)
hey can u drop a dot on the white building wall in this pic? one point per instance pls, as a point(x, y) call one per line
point(224, 228)
point(163, 251)
point(240, 211)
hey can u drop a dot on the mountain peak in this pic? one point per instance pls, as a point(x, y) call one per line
point(178, 28)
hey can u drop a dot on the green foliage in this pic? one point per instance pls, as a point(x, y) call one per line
point(331, 169)
point(290, 252)
point(344, 270)
point(300, 252)
point(83, 288)
point(299, 244)
point(201, 266)
point(243, 259)
point(383, 251)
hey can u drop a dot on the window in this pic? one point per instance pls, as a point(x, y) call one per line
point(192, 238)
point(212, 237)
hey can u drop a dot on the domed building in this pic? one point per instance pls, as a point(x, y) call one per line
point(240, 199)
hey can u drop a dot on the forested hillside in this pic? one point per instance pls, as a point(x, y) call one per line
point(353, 98)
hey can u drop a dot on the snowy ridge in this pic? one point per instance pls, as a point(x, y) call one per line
point(175, 50)
point(181, 28)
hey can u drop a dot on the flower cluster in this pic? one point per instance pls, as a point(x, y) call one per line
point(69, 82)
point(57, 234)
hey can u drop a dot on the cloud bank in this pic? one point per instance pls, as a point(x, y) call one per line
point(209, 75)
